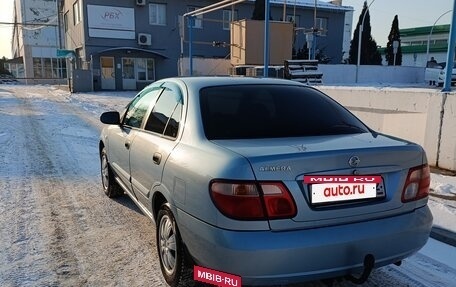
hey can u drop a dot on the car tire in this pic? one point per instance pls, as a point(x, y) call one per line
point(110, 187)
point(174, 262)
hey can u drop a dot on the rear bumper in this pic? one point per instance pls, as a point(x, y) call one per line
point(267, 258)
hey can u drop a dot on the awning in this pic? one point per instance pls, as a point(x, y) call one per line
point(126, 49)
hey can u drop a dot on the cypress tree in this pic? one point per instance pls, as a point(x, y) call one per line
point(369, 52)
point(394, 35)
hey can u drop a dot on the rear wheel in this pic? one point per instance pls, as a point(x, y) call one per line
point(110, 186)
point(171, 251)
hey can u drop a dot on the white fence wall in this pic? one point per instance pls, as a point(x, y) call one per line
point(346, 74)
point(332, 74)
point(447, 158)
point(427, 117)
point(424, 116)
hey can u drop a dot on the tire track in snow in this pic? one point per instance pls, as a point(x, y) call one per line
point(82, 238)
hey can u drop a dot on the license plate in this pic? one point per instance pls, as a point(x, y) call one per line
point(330, 189)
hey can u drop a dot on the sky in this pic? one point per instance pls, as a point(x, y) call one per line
point(411, 13)
point(6, 15)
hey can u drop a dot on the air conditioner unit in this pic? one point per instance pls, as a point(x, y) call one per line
point(140, 2)
point(144, 39)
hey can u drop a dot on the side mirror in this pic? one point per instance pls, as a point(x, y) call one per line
point(110, 118)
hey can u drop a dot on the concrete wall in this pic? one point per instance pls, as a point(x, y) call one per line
point(346, 74)
point(343, 74)
point(447, 154)
point(424, 116)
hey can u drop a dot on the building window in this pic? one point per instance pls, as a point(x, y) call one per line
point(77, 12)
point(198, 19)
point(65, 21)
point(37, 68)
point(49, 68)
point(157, 14)
point(443, 42)
point(17, 70)
point(146, 69)
point(322, 26)
point(294, 19)
point(228, 17)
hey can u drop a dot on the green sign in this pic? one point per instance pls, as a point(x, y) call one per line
point(61, 53)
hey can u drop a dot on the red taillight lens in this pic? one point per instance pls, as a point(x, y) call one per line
point(245, 201)
point(237, 200)
point(278, 200)
point(417, 183)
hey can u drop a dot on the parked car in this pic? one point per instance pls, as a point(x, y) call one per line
point(268, 179)
point(434, 73)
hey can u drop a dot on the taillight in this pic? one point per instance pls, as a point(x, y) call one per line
point(417, 183)
point(248, 200)
point(278, 200)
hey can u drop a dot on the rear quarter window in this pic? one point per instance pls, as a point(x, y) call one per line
point(271, 111)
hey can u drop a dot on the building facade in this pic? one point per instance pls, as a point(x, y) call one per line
point(35, 40)
point(127, 44)
point(419, 44)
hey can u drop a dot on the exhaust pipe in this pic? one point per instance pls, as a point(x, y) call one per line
point(369, 262)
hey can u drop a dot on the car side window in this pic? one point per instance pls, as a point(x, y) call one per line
point(166, 114)
point(137, 110)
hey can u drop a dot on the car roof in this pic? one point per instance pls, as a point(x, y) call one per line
point(209, 81)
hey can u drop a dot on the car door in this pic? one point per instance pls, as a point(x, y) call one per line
point(151, 148)
point(121, 138)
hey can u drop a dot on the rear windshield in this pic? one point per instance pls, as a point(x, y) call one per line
point(273, 111)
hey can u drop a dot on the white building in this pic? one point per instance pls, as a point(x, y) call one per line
point(36, 38)
point(415, 48)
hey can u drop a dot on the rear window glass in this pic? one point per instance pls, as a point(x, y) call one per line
point(272, 111)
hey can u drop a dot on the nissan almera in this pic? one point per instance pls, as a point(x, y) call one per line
point(267, 179)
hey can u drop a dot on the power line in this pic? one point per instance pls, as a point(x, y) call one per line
point(29, 24)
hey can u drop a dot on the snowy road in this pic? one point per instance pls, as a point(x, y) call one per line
point(57, 228)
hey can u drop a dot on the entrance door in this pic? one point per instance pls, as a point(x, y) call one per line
point(108, 73)
point(128, 74)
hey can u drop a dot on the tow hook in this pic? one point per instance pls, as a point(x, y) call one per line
point(369, 261)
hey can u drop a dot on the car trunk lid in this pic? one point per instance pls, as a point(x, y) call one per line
point(290, 160)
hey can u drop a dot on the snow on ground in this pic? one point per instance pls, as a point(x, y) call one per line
point(443, 201)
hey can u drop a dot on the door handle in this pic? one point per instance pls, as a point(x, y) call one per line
point(157, 158)
point(127, 144)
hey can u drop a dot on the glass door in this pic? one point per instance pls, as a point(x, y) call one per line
point(128, 74)
point(108, 73)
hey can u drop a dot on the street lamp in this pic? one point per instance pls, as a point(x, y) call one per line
point(429, 37)
point(359, 40)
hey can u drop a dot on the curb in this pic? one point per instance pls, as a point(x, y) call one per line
point(443, 235)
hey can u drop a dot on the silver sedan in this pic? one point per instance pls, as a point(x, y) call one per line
point(266, 179)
